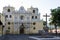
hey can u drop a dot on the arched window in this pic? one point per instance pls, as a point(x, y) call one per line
point(33, 11)
point(10, 16)
point(32, 17)
point(35, 17)
point(21, 17)
point(34, 28)
point(8, 27)
point(8, 10)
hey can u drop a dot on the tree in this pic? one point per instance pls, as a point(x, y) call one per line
point(55, 17)
point(44, 23)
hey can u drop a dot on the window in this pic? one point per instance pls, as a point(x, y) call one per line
point(21, 17)
point(34, 23)
point(34, 28)
point(8, 10)
point(33, 11)
point(10, 16)
point(32, 17)
point(9, 23)
point(6, 16)
point(8, 27)
point(35, 17)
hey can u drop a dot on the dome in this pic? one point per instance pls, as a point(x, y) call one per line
point(22, 10)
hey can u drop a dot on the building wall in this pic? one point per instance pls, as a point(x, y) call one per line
point(2, 18)
point(1, 29)
point(35, 28)
point(10, 27)
point(16, 22)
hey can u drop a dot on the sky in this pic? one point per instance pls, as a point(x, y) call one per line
point(44, 6)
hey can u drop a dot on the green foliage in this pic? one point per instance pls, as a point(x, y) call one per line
point(55, 16)
point(44, 23)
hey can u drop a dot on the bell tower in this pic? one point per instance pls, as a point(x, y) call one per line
point(33, 10)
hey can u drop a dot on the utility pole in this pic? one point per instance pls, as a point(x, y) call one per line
point(46, 18)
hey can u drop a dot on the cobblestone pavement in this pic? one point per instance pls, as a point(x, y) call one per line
point(25, 37)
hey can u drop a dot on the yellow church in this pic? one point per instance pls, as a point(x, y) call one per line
point(20, 21)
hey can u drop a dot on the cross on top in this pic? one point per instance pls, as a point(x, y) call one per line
point(46, 18)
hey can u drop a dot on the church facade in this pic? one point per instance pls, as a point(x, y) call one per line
point(21, 21)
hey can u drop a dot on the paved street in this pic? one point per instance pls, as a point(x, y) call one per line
point(26, 37)
point(45, 38)
point(16, 37)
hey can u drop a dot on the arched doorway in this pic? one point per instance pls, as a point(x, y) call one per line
point(22, 29)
